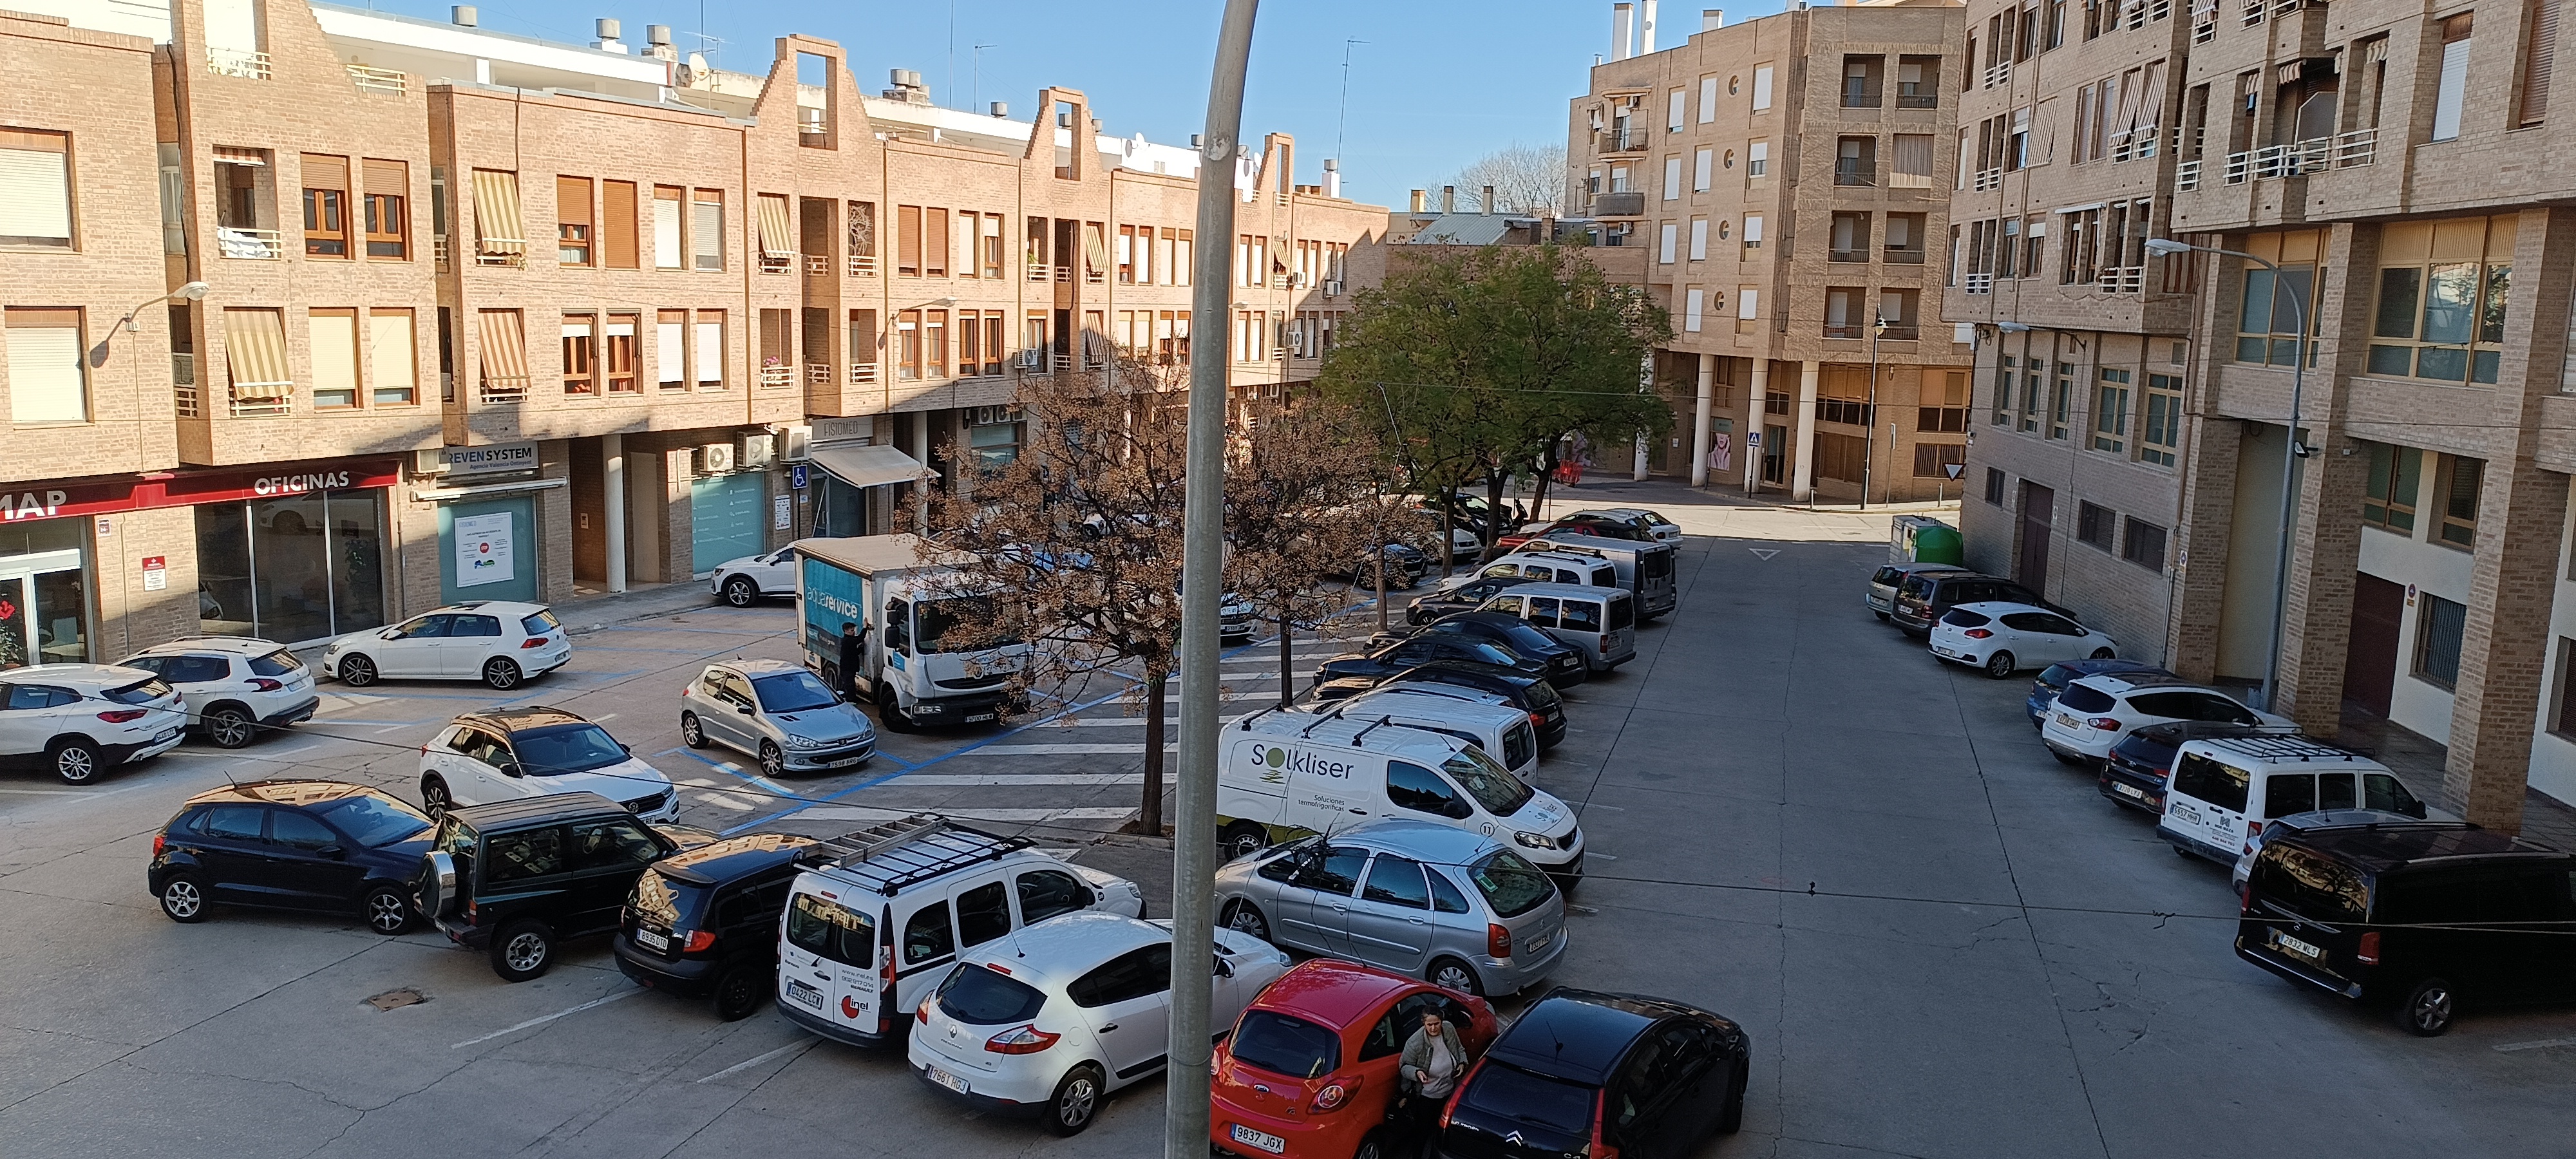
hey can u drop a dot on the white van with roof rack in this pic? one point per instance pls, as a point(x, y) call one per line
point(877, 917)
point(1285, 775)
point(2224, 788)
point(1481, 718)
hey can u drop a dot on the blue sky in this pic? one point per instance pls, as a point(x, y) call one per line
point(1436, 86)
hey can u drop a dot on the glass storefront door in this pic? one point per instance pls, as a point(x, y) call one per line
point(294, 568)
point(44, 594)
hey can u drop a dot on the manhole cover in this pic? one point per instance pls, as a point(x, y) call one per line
point(393, 999)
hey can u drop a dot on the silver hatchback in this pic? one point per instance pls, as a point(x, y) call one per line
point(777, 712)
point(1454, 908)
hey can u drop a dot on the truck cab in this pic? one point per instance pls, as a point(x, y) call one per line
point(907, 660)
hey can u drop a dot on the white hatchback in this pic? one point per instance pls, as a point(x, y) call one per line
point(2092, 713)
point(497, 642)
point(534, 752)
point(1058, 1015)
point(79, 720)
point(742, 582)
point(235, 687)
point(2004, 638)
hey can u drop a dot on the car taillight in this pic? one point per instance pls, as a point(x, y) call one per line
point(532, 642)
point(698, 941)
point(264, 684)
point(1498, 941)
point(1449, 1106)
point(885, 989)
point(1336, 1094)
point(2105, 723)
point(1600, 1148)
point(1020, 1040)
point(2367, 953)
point(921, 1013)
point(158, 839)
point(1976, 633)
point(1538, 719)
point(2245, 898)
point(121, 715)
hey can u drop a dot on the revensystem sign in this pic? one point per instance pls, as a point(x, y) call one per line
point(1299, 761)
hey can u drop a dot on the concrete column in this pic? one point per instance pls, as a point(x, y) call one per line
point(1699, 424)
point(921, 491)
point(1755, 410)
point(612, 462)
point(2514, 577)
point(1802, 475)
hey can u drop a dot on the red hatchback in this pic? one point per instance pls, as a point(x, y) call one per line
point(1310, 1070)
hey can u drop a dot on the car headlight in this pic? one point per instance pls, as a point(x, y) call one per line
point(802, 742)
point(1535, 840)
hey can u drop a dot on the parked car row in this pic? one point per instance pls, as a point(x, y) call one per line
point(2346, 881)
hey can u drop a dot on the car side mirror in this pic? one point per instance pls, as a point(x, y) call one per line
point(389, 634)
point(2414, 809)
point(512, 769)
point(744, 709)
point(1224, 969)
point(1459, 809)
point(333, 852)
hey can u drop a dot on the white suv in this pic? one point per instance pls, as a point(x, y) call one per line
point(742, 582)
point(2093, 713)
point(235, 687)
point(497, 642)
point(78, 719)
point(537, 751)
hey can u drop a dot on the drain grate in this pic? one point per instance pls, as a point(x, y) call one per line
point(396, 999)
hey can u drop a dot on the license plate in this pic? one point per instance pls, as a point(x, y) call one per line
point(1262, 1139)
point(977, 718)
point(2127, 790)
point(945, 1079)
point(2293, 945)
point(804, 995)
point(649, 938)
point(2068, 722)
point(1941, 651)
point(165, 734)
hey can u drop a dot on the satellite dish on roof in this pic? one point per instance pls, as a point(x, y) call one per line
point(693, 70)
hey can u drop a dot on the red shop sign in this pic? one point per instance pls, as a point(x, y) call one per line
point(22, 503)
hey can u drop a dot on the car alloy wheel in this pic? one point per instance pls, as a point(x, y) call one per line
point(522, 951)
point(357, 671)
point(692, 733)
point(76, 761)
point(1245, 918)
point(228, 727)
point(388, 911)
point(773, 764)
point(2427, 1009)
point(1076, 1101)
point(2103, 654)
point(741, 592)
point(1452, 974)
point(435, 800)
point(2001, 665)
point(501, 674)
point(182, 900)
point(1372, 1147)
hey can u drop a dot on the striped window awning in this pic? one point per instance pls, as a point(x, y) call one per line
point(255, 353)
point(228, 155)
point(504, 342)
point(1094, 251)
point(776, 241)
point(498, 228)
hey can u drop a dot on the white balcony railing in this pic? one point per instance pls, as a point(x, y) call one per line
point(2358, 147)
point(1989, 179)
point(1981, 283)
point(258, 245)
point(183, 383)
point(237, 62)
point(379, 80)
point(862, 373)
point(2187, 176)
point(1997, 73)
point(438, 249)
point(2315, 155)
point(772, 377)
point(818, 265)
point(863, 265)
point(507, 389)
point(818, 374)
point(778, 263)
point(2120, 279)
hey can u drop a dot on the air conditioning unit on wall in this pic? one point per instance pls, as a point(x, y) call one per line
point(795, 442)
point(715, 459)
point(754, 452)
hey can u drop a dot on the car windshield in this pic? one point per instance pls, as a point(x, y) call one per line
point(2084, 698)
point(374, 819)
point(796, 691)
point(1510, 884)
point(1888, 577)
point(933, 619)
point(664, 902)
point(1963, 618)
point(1492, 653)
point(2145, 750)
point(2055, 676)
point(1493, 786)
point(1287, 1046)
point(1542, 696)
point(1508, 1092)
point(277, 663)
point(977, 996)
point(540, 623)
point(1530, 641)
point(2310, 884)
point(140, 692)
point(569, 748)
point(831, 931)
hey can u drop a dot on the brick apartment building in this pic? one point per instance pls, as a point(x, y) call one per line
point(769, 306)
point(1787, 178)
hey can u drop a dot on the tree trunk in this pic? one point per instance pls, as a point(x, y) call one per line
point(1546, 475)
point(1150, 818)
point(1287, 662)
point(1494, 507)
point(1448, 527)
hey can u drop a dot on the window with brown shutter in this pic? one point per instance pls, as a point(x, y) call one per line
point(617, 225)
point(572, 221)
point(2539, 50)
point(907, 226)
point(618, 351)
point(326, 206)
point(934, 242)
point(384, 211)
point(580, 354)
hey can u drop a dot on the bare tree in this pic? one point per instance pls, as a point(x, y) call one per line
point(1301, 507)
point(1526, 179)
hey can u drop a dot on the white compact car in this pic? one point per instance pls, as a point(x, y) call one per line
point(2092, 713)
point(235, 687)
point(497, 642)
point(2005, 638)
point(1061, 1013)
point(81, 719)
point(742, 582)
point(533, 752)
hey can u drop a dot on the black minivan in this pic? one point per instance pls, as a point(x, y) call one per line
point(1925, 596)
point(704, 923)
point(2423, 915)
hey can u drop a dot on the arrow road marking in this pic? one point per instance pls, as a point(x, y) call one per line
point(1764, 552)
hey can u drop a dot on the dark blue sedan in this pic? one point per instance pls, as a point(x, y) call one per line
point(2053, 680)
point(319, 846)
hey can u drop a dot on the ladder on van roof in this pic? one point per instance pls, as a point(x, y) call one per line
point(2282, 748)
point(909, 850)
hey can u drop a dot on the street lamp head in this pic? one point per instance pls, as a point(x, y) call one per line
point(2168, 247)
point(2013, 327)
point(193, 291)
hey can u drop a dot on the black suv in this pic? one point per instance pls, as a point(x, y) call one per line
point(2425, 915)
point(321, 846)
point(704, 923)
point(1584, 1073)
point(1531, 694)
point(1388, 659)
point(515, 877)
point(1924, 598)
point(1564, 662)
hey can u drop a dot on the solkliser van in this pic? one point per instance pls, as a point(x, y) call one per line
point(877, 917)
point(2223, 788)
point(1479, 718)
point(1601, 623)
point(1285, 775)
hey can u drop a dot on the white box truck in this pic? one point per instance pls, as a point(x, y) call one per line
point(878, 588)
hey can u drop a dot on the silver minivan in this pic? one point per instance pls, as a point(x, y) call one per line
point(778, 712)
point(1455, 908)
point(1601, 622)
point(1482, 719)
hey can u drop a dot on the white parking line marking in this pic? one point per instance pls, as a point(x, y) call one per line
point(800, 1045)
point(1065, 750)
point(542, 1019)
point(66, 792)
point(959, 780)
point(1129, 721)
point(392, 728)
point(2543, 1044)
point(851, 813)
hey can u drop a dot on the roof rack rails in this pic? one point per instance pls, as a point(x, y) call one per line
point(2283, 748)
point(893, 854)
